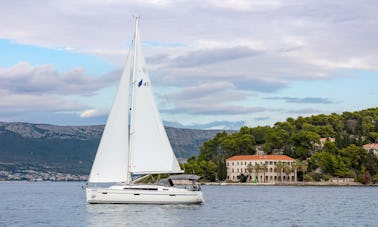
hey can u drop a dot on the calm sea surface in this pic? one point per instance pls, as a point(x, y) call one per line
point(63, 204)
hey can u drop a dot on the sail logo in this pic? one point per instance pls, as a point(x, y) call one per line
point(145, 84)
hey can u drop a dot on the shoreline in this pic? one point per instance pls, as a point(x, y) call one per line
point(297, 184)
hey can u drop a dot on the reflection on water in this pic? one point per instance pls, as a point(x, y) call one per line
point(135, 214)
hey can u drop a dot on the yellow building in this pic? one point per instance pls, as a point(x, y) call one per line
point(261, 168)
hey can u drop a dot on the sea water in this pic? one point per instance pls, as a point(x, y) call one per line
point(64, 204)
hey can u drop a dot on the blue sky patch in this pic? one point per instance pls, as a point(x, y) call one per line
point(64, 61)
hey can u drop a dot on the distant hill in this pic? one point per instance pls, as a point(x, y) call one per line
point(71, 149)
point(221, 125)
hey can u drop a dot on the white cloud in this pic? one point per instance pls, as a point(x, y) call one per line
point(93, 113)
point(26, 89)
point(211, 99)
point(35, 102)
point(26, 78)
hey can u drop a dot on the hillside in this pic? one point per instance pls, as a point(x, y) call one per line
point(71, 149)
point(330, 145)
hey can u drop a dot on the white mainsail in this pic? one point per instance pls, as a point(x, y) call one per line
point(110, 164)
point(151, 151)
point(143, 149)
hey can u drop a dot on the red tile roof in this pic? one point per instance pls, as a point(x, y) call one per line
point(371, 146)
point(261, 157)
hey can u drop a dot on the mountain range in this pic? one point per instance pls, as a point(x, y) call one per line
point(71, 149)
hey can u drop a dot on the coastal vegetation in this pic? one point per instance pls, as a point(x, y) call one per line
point(340, 154)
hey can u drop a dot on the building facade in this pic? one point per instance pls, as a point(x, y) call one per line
point(261, 168)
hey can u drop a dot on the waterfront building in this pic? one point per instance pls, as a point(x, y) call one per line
point(261, 168)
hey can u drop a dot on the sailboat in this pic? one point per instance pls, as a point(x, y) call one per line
point(135, 143)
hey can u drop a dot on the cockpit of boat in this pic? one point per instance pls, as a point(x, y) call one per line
point(186, 181)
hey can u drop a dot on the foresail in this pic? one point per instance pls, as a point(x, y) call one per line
point(151, 151)
point(110, 164)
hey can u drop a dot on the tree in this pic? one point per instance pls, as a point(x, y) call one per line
point(303, 165)
point(221, 170)
point(257, 171)
point(243, 178)
point(250, 169)
point(277, 139)
point(278, 169)
point(295, 166)
point(287, 170)
point(264, 169)
point(259, 133)
point(373, 137)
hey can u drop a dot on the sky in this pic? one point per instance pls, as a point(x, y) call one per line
point(251, 61)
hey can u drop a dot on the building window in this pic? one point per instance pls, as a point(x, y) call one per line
point(232, 170)
point(232, 163)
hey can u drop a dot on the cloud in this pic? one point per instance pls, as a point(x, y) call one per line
point(304, 111)
point(210, 99)
point(24, 78)
point(312, 100)
point(30, 102)
point(211, 56)
point(93, 113)
point(261, 118)
point(41, 90)
point(214, 109)
point(247, 5)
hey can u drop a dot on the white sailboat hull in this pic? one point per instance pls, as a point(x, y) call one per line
point(143, 194)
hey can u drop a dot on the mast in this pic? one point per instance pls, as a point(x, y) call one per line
point(133, 82)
